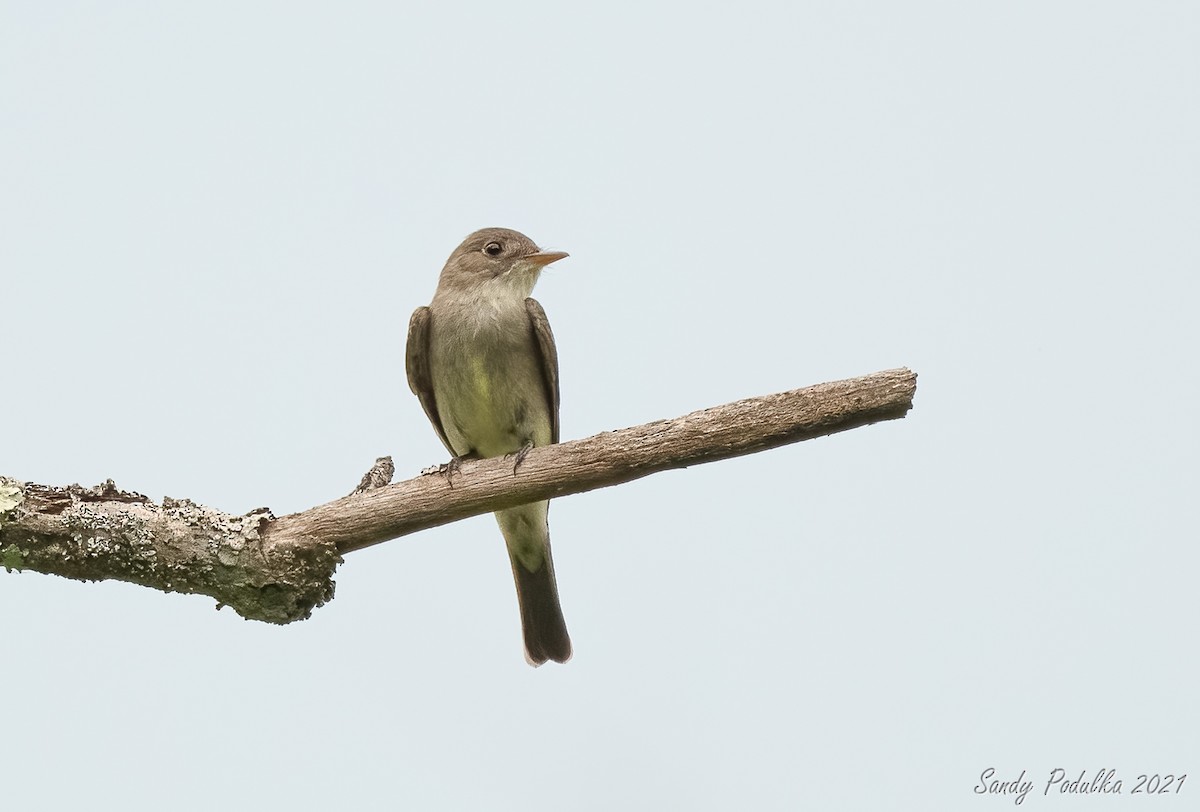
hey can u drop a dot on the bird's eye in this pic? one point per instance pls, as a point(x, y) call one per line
point(493, 249)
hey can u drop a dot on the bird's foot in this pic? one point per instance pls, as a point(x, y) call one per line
point(449, 469)
point(520, 454)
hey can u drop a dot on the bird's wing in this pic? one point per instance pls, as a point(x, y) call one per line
point(544, 339)
point(416, 362)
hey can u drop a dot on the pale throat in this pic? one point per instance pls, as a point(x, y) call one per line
point(499, 299)
point(517, 281)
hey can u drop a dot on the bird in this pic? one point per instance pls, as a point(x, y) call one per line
point(481, 359)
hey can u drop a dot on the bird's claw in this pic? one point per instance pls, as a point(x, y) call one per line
point(520, 454)
point(449, 469)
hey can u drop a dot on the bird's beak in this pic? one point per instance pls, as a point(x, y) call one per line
point(544, 258)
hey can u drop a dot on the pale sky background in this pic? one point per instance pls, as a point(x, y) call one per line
point(217, 218)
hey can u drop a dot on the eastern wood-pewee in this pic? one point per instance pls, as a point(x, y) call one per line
point(481, 358)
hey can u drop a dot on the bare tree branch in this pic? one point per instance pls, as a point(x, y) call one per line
point(279, 569)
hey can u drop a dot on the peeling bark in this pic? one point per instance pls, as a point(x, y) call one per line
point(102, 533)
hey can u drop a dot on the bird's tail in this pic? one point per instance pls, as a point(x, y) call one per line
point(528, 538)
